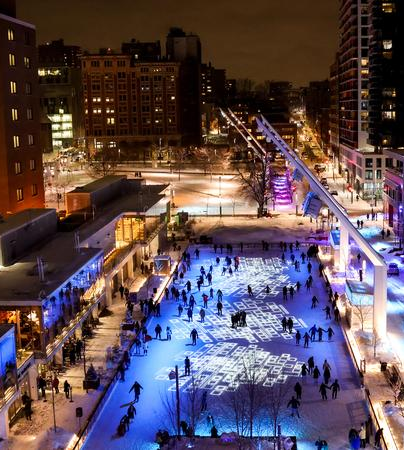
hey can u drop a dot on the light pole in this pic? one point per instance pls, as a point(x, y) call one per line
point(220, 196)
point(53, 410)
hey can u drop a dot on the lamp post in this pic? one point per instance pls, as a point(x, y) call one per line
point(53, 410)
point(220, 196)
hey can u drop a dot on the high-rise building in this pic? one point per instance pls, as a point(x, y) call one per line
point(21, 174)
point(128, 104)
point(60, 89)
point(142, 51)
point(186, 49)
point(334, 113)
point(213, 85)
point(362, 164)
point(318, 110)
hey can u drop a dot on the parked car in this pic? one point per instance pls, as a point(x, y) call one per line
point(334, 193)
point(393, 269)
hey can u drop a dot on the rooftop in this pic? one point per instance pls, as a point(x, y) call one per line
point(98, 184)
point(20, 282)
point(20, 219)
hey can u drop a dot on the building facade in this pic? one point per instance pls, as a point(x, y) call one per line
point(318, 111)
point(362, 165)
point(21, 174)
point(127, 103)
point(60, 89)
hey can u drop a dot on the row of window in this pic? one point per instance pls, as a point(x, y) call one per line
point(15, 116)
point(11, 36)
point(20, 192)
point(18, 166)
point(13, 88)
point(12, 61)
point(16, 140)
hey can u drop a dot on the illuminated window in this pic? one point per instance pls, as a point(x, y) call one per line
point(110, 120)
point(10, 34)
point(17, 167)
point(27, 62)
point(11, 59)
point(16, 141)
point(14, 114)
point(389, 92)
point(13, 87)
point(388, 7)
point(387, 44)
point(28, 88)
point(30, 139)
point(32, 164)
point(20, 194)
point(29, 114)
point(389, 115)
point(34, 190)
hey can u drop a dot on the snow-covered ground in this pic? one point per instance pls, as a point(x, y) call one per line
point(218, 357)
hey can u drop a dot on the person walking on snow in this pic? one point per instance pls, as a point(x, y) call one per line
point(314, 302)
point(327, 310)
point(189, 314)
point(194, 336)
point(323, 391)
point(187, 366)
point(202, 315)
point(284, 323)
point(136, 389)
point(294, 404)
point(298, 390)
point(335, 388)
point(330, 333)
point(316, 374)
point(306, 338)
point(298, 337)
point(249, 290)
point(219, 308)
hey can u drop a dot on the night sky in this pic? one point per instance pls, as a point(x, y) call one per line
point(259, 39)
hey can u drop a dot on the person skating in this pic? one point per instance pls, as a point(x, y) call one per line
point(131, 412)
point(290, 325)
point(304, 372)
point(205, 299)
point(309, 267)
point(249, 290)
point(285, 292)
point(158, 331)
point(298, 390)
point(180, 309)
point(187, 366)
point(298, 286)
point(190, 315)
point(284, 323)
point(327, 310)
point(327, 375)
point(298, 337)
point(306, 338)
point(313, 331)
point(136, 389)
point(320, 332)
point(330, 333)
point(337, 316)
point(294, 404)
point(202, 315)
point(316, 374)
point(194, 336)
point(314, 302)
point(310, 363)
point(219, 295)
point(168, 333)
point(267, 289)
point(291, 292)
point(204, 401)
point(323, 391)
point(219, 308)
point(335, 388)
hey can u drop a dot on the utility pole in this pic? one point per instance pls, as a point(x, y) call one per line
point(177, 393)
point(53, 410)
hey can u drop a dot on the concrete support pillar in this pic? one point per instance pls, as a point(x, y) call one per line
point(4, 425)
point(380, 301)
point(108, 291)
point(32, 381)
point(58, 358)
point(344, 250)
point(130, 266)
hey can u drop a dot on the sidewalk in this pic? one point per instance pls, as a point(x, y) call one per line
point(39, 433)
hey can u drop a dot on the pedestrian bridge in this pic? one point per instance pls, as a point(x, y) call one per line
point(347, 229)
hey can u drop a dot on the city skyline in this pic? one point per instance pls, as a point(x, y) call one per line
point(246, 50)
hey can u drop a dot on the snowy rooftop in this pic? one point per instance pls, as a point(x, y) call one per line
point(99, 184)
point(21, 218)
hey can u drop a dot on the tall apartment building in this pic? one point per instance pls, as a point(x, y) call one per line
point(129, 103)
point(60, 89)
point(362, 165)
point(186, 49)
point(318, 110)
point(334, 113)
point(386, 104)
point(21, 174)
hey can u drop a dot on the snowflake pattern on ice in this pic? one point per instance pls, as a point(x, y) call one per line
point(219, 367)
point(263, 316)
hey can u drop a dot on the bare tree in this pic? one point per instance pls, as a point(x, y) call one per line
point(362, 311)
point(179, 156)
point(191, 404)
point(212, 158)
point(169, 416)
point(256, 182)
point(104, 162)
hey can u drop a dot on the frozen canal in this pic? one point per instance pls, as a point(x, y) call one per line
point(221, 351)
